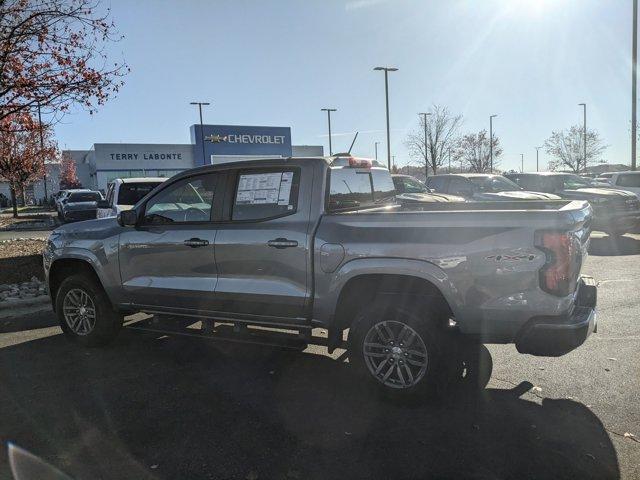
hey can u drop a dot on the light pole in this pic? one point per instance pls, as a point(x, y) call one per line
point(634, 72)
point(491, 117)
point(44, 160)
point(386, 71)
point(584, 135)
point(521, 162)
point(426, 157)
point(375, 145)
point(537, 162)
point(329, 110)
point(200, 104)
point(449, 160)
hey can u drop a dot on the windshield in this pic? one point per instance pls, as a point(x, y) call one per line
point(85, 197)
point(494, 184)
point(571, 182)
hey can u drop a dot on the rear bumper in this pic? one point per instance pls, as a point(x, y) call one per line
point(553, 336)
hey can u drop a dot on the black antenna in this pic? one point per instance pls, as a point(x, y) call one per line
point(354, 141)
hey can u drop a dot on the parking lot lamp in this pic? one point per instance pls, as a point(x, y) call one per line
point(491, 142)
point(375, 146)
point(200, 104)
point(329, 110)
point(386, 71)
point(584, 135)
point(426, 159)
point(537, 162)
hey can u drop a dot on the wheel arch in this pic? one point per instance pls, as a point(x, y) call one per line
point(62, 268)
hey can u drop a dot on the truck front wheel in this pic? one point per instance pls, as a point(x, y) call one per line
point(85, 313)
point(398, 348)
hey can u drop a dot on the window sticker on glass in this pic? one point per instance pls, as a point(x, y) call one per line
point(264, 188)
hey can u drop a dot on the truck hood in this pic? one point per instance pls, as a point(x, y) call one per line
point(428, 198)
point(592, 192)
point(517, 195)
point(89, 229)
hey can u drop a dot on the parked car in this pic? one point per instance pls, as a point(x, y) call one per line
point(411, 191)
point(483, 186)
point(124, 193)
point(629, 181)
point(616, 212)
point(62, 195)
point(300, 243)
point(80, 206)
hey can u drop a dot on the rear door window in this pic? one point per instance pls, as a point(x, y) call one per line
point(460, 186)
point(629, 180)
point(265, 193)
point(437, 183)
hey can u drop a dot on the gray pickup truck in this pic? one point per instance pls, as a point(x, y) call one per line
point(304, 243)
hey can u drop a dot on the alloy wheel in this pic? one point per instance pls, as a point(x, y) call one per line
point(79, 311)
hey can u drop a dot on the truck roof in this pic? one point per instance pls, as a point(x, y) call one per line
point(141, 180)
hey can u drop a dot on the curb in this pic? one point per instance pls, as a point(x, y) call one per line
point(8, 307)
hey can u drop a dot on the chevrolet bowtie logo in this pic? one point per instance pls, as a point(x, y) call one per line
point(215, 138)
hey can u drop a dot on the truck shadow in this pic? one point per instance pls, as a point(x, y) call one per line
point(153, 406)
point(612, 246)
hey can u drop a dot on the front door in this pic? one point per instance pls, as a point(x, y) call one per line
point(262, 252)
point(168, 261)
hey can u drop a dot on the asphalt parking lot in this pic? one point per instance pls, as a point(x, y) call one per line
point(155, 406)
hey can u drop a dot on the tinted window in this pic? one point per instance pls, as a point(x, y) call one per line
point(185, 201)
point(494, 184)
point(110, 193)
point(460, 186)
point(349, 188)
point(411, 185)
point(85, 197)
point(534, 183)
point(268, 193)
point(130, 193)
point(572, 181)
point(629, 180)
point(437, 183)
point(383, 188)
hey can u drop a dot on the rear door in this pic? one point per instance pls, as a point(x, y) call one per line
point(168, 261)
point(262, 251)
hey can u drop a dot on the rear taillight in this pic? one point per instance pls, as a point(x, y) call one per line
point(559, 275)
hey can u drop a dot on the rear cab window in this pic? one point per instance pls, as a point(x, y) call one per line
point(130, 193)
point(437, 183)
point(355, 188)
point(261, 194)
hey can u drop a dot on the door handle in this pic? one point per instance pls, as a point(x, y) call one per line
point(196, 242)
point(282, 243)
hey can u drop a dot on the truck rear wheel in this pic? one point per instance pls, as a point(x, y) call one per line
point(398, 348)
point(85, 313)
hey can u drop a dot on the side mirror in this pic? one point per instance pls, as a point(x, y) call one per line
point(104, 204)
point(128, 218)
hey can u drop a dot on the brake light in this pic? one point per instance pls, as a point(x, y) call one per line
point(360, 162)
point(559, 275)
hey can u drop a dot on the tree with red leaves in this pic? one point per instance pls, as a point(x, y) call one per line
point(22, 155)
point(52, 53)
point(68, 174)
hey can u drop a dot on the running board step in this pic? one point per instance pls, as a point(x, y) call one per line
point(224, 331)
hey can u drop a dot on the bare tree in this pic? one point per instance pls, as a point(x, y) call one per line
point(442, 129)
point(53, 53)
point(567, 149)
point(473, 152)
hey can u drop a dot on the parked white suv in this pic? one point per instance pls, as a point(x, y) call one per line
point(124, 193)
point(629, 181)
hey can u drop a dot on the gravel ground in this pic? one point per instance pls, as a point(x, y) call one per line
point(20, 260)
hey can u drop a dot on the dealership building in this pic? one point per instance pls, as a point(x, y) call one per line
point(210, 144)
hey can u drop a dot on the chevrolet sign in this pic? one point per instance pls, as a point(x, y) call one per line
point(230, 140)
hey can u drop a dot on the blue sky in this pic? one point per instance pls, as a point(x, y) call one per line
point(279, 62)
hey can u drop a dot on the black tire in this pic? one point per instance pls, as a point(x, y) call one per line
point(106, 322)
point(474, 364)
point(423, 320)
